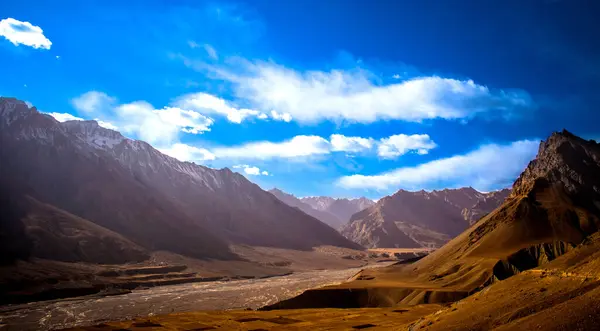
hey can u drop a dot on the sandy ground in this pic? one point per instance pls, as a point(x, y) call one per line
point(302, 319)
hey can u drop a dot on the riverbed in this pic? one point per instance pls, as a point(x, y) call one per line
point(241, 294)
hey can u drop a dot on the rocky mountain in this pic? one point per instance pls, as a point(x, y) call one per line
point(420, 219)
point(552, 210)
point(547, 226)
point(341, 208)
point(322, 215)
point(130, 188)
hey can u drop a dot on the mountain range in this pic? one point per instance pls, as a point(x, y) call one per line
point(531, 263)
point(331, 211)
point(420, 219)
point(93, 181)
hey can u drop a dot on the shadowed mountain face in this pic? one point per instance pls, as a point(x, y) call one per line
point(129, 188)
point(415, 219)
point(34, 229)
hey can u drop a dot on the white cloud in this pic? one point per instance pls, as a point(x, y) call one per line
point(298, 146)
point(305, 146)
point(57, 57)
point(401, 144)
point(93, 102)
point(251, 170)
point(159, 127)
point(285, 117)
point(207, 103)
point(189, 121)
point(24, 33)
point(396, 76)
point(212, 53)
point(184, 152)
point(355, 96)
point(487, 168)
point(342, 143)
point(63, 117)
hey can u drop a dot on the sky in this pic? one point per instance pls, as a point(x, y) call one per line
point(338, 98)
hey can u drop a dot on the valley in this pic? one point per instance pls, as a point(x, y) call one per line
point(216, 295)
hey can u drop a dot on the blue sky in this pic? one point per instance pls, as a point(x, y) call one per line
point(341, 98)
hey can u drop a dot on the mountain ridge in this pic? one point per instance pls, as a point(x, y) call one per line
point(408, 219)
point(93, 172)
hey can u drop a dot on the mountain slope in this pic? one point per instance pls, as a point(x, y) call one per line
point(423, 218)
point(50, 164)
point(554, 205)
point(343, 209)
point(49, 233)
point(129, 187)
point(323, 216)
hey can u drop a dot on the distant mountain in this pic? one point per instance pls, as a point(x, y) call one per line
point(324, 216)
point(420, 219)
point(130, 188)
point(341, 208)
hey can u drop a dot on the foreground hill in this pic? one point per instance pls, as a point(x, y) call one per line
point(131, 189)
point(414, 219)
point(48, 232)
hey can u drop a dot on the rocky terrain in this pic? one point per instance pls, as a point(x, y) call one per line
point(420, 219)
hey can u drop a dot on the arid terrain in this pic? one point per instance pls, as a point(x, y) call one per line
point(217, 295)
point(532, 263)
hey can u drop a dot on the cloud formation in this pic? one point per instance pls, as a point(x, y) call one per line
point(159, 127)
point(489, 167)
point(341, 143)
point(357, 96)
point(298, 146)
point(251, 170)
point(24, 33)
point(207, 103)
point(305, 146)
point(400, 144)
point(184, 152)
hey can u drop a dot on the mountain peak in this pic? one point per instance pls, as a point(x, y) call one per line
point(563, 158)
point(94, 134)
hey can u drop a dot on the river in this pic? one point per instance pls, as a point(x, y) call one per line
point(252, 293)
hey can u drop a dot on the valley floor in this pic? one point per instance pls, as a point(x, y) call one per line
point(242, 294)
point(267, 275)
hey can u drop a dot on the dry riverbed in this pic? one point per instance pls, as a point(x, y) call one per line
point(241, 294)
